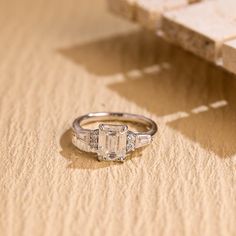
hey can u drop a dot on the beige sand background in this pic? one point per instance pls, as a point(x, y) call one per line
point(60, 59)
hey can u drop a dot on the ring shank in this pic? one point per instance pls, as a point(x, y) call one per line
point(100, 116)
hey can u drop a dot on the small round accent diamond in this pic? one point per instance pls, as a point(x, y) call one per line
point(131, 138)
point(94, 139)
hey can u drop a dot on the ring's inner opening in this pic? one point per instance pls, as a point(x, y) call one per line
point(136, 126)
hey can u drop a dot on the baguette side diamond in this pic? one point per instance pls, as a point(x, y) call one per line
point(80, 144)
point(143, 140)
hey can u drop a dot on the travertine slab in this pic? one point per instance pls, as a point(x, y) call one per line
point(149, 12)
point(202, 28)
point(229, 56)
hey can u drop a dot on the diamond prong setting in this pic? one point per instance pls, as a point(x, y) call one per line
point(111, 142)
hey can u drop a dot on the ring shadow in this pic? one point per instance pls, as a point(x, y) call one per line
point(83, 160)
point(169, 81)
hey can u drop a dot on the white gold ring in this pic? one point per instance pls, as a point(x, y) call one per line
point(112, 142)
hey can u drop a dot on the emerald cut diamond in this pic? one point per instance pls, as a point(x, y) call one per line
point(112, 142)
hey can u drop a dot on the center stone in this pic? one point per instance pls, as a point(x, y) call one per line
point(112, 142)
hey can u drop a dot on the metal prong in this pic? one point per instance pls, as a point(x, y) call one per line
point(100, 158)
point(121, 159)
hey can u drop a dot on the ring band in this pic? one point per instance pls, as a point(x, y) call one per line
point(111, 142)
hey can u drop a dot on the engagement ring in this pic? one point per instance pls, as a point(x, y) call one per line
point(112, 142)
